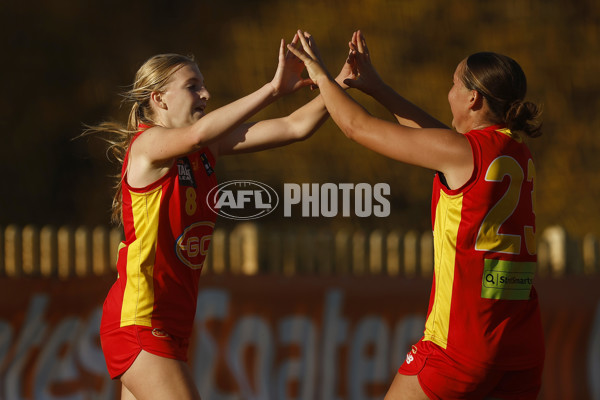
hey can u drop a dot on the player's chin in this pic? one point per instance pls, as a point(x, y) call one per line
point(453, 126)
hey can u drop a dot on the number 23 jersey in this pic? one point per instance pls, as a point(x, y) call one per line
point(483, 306)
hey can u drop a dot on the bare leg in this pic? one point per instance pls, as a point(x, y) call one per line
point(159, 378)
point(405, 387)
point(126, 394)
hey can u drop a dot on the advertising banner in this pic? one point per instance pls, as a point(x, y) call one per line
point(274, 337)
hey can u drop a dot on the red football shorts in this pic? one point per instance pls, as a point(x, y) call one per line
point(121, 346)
point(441, 377)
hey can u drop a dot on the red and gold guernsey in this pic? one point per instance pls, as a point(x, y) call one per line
point(168, 228)
point(483, 306)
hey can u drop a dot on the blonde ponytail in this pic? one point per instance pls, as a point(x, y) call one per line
point(152, 76)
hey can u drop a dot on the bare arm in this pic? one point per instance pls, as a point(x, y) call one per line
point(299, 125)
point(405, 112)
point(433, 148)
point(277, 132)
point(368, 80)
point(438, 149)
point(152, 154)
point(161, 145)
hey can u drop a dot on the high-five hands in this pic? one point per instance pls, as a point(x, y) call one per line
point(288, 76)
point(358, 71)
point(365, 77)
point(309, 54)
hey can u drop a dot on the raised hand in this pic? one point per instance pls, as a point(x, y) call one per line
point(288, 76)
point(349, 71)
point(365, 77)
point(309, 54)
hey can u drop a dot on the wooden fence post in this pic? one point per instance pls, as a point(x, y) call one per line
point(83, 252)
point(13, 251)
point(313, 251)
point(359, 253)
point(66, 252)
point(325, 252)
point(244, 249)
point(394, 254)
point(376, 252)
point(100, 250)
point(305, 252)
point(235, 251)
point(31, 250)
point(556, 237)
point(272, 243)
point(218, 252)
point(343, 251)
point(590, 254)
point(411, 254)
point(48, 252)
point(289, 253)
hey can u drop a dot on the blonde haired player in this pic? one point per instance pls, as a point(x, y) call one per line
point(168, 151)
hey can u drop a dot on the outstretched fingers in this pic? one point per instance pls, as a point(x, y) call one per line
point(300, 53)
point(309, 54)
point(362, 44)
point(353, 42)
point(294, 43)
point(288, 76)
point(304, 52)
point(309, 45)
point(359, 46)
point(281, 50)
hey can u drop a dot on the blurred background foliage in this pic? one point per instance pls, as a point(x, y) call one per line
point(65, 63)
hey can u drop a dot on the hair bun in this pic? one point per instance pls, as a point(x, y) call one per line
point(524, 116)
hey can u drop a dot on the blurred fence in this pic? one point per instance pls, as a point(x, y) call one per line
point(249, 249)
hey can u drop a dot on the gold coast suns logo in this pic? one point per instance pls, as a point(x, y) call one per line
point(192, 245)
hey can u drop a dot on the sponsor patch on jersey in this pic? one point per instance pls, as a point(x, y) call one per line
point(184, 169)
point(192, 245)
point(507, 280)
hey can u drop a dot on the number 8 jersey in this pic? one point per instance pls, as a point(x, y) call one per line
point(168, 228)
point(483, 306)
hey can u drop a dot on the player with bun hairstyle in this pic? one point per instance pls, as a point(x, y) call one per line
point(502, 83)
point(483, 335)
point(168, 152)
